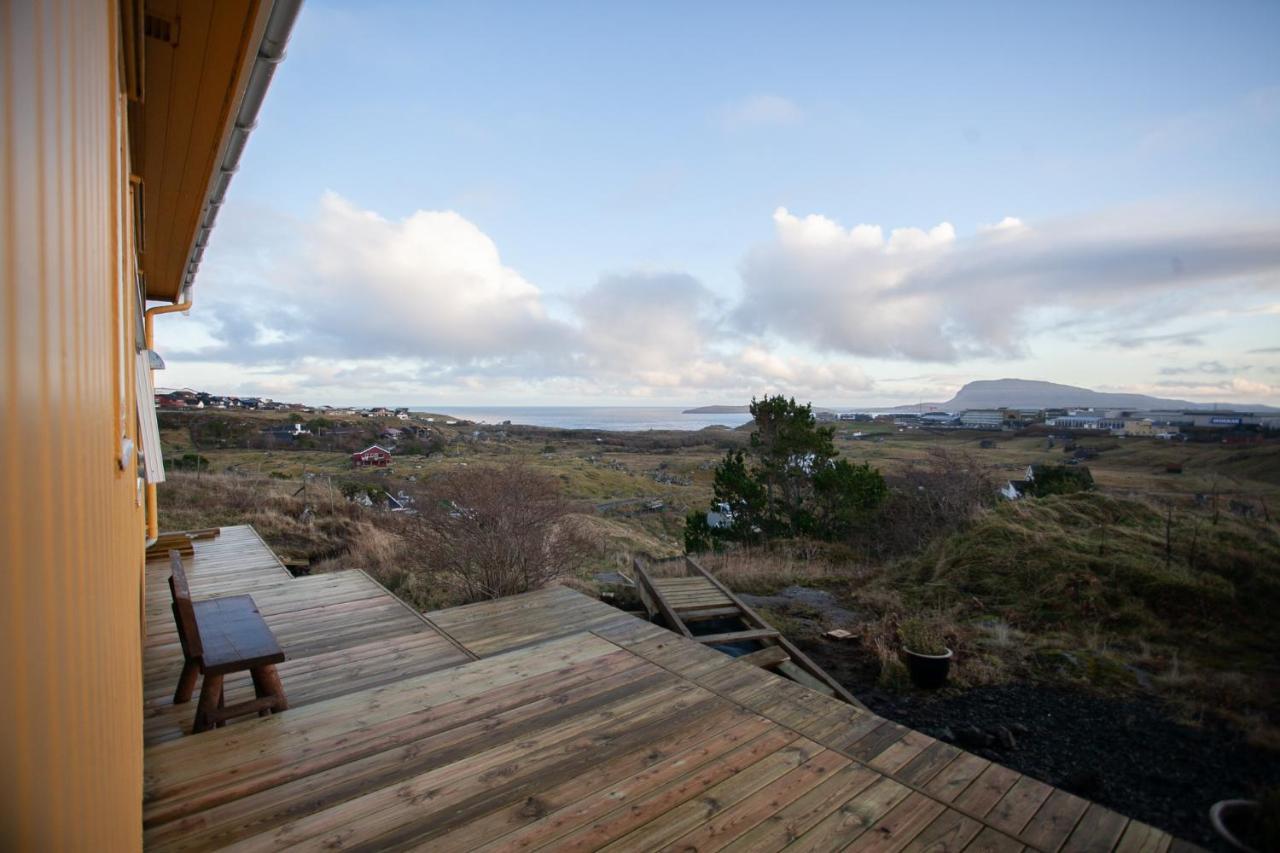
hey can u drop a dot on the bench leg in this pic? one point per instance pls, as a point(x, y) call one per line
point(259, 689)
point(266, 682)
point(210, 699)
point(186, 682)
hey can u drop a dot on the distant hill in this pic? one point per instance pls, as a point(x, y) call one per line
point(1027, 394)
point(1034, 394)
point(731, 410)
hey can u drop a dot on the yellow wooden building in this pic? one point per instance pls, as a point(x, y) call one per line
point(123, 122)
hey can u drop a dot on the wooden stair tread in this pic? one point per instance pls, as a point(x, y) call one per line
point(767, 658)
point(737, 636)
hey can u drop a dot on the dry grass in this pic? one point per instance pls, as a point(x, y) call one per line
point(762, 571)
point(1080, 588)
point(1119, 595)
point(317, 528)
point(320, 529)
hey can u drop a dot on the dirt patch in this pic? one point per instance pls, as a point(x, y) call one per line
point(817, 609)
point(1132, 754)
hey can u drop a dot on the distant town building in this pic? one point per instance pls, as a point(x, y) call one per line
point(1144, 427)
point(1075, 421)
point(984, 419)
point(1231, 420)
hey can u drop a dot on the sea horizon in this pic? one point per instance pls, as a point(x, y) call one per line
point(609, 418)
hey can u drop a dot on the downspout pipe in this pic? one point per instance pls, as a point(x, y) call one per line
point(149, 333)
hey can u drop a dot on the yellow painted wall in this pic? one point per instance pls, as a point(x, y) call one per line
point(70, 521)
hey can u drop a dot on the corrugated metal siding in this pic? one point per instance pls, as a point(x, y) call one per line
point(70, 638)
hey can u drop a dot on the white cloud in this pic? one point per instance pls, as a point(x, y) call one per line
point(350, 284)
point(653, 324)
point(1248, 387)
point(355, 303)
point(664, 331)
point(1236, 388)
point(1229, 116)
point(927, 295)
point(430, 284)
point(1010, 226)
point(841, 289)
point(760, 111)
point(346, 305)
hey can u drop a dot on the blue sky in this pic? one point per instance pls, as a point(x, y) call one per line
point(657, 203)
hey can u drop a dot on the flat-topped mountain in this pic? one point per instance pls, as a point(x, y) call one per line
point(1035, 394)
point(1028, 394)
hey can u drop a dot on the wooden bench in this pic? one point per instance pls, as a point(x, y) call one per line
point(220, 636)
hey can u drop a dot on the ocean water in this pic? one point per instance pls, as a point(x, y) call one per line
point(619, 418)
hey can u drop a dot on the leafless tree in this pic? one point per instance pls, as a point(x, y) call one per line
point(953, 483)
point(496, 531)
point(932, 497)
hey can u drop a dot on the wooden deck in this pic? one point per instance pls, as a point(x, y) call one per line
point(341, 631)
point(556, 722)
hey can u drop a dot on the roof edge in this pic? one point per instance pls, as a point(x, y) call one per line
point(270, 53)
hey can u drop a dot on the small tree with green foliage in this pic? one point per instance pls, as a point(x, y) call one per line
point(792, 484)
point(1060, 480)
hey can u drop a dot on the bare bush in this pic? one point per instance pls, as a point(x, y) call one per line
point(491, 532)
point(933, 498)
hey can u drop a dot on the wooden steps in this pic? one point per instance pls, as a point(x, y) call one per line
point(737, 636)
point(698, 596)
point(766, 658)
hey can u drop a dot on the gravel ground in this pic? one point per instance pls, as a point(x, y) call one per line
point(1130, 754)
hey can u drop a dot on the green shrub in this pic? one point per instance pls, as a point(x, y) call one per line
point(1060, 480)
point(189, 462)
point(791, 483)
point(922, 637)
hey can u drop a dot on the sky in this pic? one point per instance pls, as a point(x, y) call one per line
point(684, 203)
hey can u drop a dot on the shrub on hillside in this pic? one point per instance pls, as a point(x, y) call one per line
point(188, 462)
point(929, 499)
point(791, 483)
point(1060, 480)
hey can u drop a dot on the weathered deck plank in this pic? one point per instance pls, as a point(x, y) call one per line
point(553, 721)
point(342, 632)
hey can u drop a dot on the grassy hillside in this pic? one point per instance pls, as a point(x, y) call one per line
point(1136, 585)
point(1119, 567)
point(1118, 594)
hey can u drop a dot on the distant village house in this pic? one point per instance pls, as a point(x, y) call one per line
point(371, 457)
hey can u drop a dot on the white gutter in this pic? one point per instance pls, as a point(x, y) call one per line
point(271, 53)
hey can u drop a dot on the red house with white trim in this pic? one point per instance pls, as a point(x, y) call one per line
point(372, 457)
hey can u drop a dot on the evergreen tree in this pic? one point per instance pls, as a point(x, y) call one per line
point(796, 486)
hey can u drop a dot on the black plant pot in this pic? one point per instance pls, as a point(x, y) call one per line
point(1233, 821)
point(927, 671)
